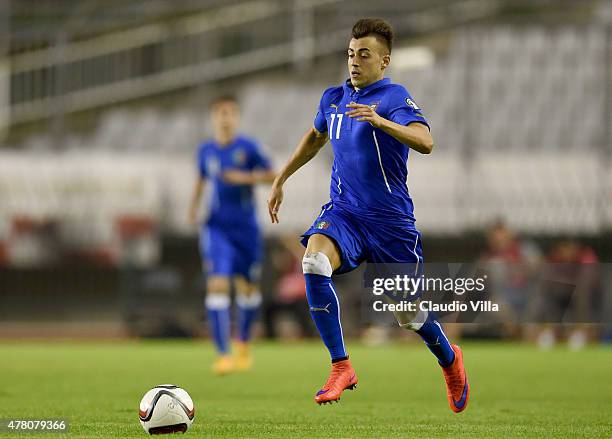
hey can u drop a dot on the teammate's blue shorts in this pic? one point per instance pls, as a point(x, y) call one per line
point(231, 251)
point(361, 239)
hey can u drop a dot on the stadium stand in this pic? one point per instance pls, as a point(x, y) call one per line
point(556, 186)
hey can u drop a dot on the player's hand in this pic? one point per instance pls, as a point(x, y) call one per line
point(235, 176)
point(364, 113)
point(274, 201)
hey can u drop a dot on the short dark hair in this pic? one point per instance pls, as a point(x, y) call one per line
point(374, 26)
point(223, 98)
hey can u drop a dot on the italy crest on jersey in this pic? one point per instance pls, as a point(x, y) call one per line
point(239, 157)
point(322, 225)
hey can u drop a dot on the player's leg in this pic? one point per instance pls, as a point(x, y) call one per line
point(248, 301)
point(320, 260)
point(450, 356)
point(218, 312)
point(217, 253)
point(248, 249)
point(403, 246)
point(333, 244)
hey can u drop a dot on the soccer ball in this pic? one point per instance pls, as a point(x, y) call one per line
point(166, 409)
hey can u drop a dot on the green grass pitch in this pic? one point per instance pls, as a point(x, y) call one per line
point(517, 391)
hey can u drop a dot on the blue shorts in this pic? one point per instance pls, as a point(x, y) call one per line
point(365, 240)
point(231, 251)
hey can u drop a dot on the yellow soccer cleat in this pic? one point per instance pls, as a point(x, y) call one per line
point(223, 365)
point(243, 359)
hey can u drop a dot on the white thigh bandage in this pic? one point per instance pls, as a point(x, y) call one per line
point(317, 263)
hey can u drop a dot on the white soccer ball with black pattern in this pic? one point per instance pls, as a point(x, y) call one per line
point(166, 409)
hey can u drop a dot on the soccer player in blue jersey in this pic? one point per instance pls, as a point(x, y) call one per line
point(371, 123)
point(230, 240)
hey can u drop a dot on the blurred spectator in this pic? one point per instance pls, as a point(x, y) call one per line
point(290, 292)
point(571, 294)
point(511, 264)
point(32, 242)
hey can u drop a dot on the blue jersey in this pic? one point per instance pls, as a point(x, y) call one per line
point(231, 204)
point(370, 167)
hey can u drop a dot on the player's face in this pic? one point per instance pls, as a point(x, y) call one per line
point(500, 239)
point(367, 60)
point(225, 117)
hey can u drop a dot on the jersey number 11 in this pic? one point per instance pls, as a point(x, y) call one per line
point(331, 125)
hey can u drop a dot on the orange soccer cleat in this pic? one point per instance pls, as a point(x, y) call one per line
point(457, 386)
point(342, 377)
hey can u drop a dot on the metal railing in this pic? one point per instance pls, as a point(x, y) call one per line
point(203, 47)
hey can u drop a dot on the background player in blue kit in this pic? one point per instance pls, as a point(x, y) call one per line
point(371, 124)
point(230, 239)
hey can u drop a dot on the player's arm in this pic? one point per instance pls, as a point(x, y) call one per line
point(199, 185)
point(259, 169)
point(196, 196)
point(236, 176)
point(309, 146)
point(415, 135)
